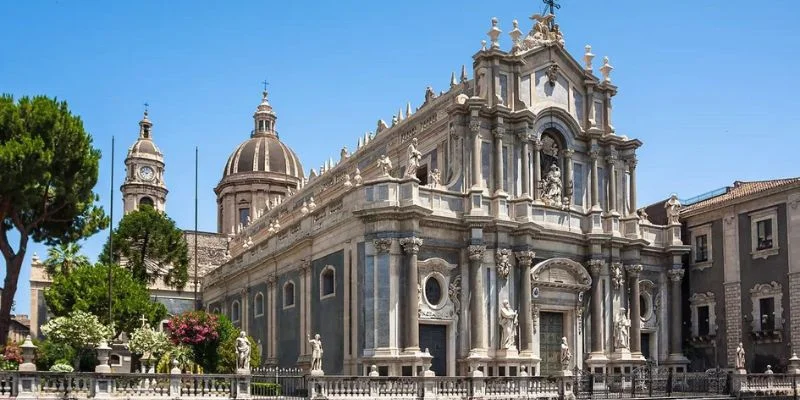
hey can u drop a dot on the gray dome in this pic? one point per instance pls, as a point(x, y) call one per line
point(144, 146)
point(263, 153)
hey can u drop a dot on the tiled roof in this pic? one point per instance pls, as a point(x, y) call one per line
point(741, 189)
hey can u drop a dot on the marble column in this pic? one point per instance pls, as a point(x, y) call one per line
point(635, 306)
point(594, 155)
point(477, 303)
point(632, 169)
point(611, 160)
point(270, 317)
point(475, 128)
point(525, 138)
point(525, 260)
point(411, 246)
point(498, 159)
point(676, 317)
point(591, 123)
point(596, 266)
point(568, 178)
point(537, 170)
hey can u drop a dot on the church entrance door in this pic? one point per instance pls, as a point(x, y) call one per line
point(434, 338)
point(551, 330)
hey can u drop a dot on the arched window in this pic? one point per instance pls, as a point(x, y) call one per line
point(288, 295)
point(236, 311)
point(216, 310)
point(258, 305)
point(146, 201)
point(327, 282)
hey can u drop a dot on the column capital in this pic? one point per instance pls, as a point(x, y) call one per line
point(611, 159)
point(525, 136)
point(476, 252)
point(498, 132)
point(595, 266)
point(594, 154)
point(632, 163)
point(271, 279)
point(411, 244)
point(525, 258)
point(675, 275)
point(567, 153)
point(475, 125)
point(305, 266)
point(634, 269)
point(383, 245)
point(537, 144)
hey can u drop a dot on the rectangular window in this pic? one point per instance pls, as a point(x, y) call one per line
point(701, 248)
point(703, 324)
point(767, 313)
point(579, 184)
point(764, 228)
point(244, 215)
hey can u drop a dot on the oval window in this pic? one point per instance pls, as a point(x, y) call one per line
point(433, 291)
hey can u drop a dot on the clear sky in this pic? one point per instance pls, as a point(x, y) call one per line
point(709, 86)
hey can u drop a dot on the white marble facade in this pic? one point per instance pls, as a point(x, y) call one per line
point(523, 192)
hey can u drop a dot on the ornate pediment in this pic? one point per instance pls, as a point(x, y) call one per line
point(561, 272)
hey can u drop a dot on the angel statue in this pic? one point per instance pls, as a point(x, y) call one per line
point(414, 159)
point(385, 164)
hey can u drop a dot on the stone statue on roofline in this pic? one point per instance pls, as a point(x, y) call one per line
point(414, 159)
point(385, 164)
point(542, 34)
point(673, 206)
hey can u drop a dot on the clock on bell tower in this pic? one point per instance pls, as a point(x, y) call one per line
point(144, 172)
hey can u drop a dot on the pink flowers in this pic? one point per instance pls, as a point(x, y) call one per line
point(193, 328)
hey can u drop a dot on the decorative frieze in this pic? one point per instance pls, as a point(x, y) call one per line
point(503, 262)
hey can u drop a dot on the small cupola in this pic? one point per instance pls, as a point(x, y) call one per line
point(264, 118)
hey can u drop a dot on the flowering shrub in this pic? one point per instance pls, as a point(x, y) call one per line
point(13, 352)
point(61, 367)
point(147, 340)
point(193, 328)
point(79, 329)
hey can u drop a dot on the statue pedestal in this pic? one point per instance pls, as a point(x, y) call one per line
point(740, 371)
point(243, 371)
point(564, 372)
point(511, 352)
point(621, 354)
point(317, 372)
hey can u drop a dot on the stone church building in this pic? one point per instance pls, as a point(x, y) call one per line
point(473, 233)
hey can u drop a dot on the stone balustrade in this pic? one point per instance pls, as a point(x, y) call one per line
point(57, 385)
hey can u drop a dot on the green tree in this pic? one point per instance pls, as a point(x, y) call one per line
point(151, 246)
point(64, 258)
point(48, 169)
point(86, 289)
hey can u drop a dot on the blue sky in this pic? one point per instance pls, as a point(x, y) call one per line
point(708, 86)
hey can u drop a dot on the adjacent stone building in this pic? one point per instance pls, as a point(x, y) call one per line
point(473, 232)
point(744, 274)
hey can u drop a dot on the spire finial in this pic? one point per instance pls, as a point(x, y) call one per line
point(146, 107)
point(453, 81)
point(264, 93)
point(463, 73)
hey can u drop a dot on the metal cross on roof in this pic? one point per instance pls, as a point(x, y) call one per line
point(265, 84)
point(552, 5)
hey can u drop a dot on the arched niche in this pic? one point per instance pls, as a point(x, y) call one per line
point(555, 118)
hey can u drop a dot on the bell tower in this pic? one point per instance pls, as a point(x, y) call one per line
point(144, 172)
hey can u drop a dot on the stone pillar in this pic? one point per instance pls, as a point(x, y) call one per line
point(537, 171)
point(411, 247)
point(591, 123)
point(632, 169)
point(595, 266)
point(612, 182)
point(636, 312)
point(525, 259)
point(477, 308)
point(568, 179)
point(526, 176)
point(270, 313)
point(498, 159)
point(594, 154)
point(475, 128)
point(676, 319)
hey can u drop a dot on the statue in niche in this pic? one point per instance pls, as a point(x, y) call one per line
point(552, 186)
point(414, 159)
point(509, 323)
point(385, 164)
point(673, 206)
point(566, 354)
point(316, 352)
point(740, 356)
point(621, 330)
point(242, 352)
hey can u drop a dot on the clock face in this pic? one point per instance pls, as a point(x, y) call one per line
point(147, 173)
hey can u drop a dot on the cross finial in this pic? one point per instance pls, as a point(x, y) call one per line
point(552, 5)
point(146, 105)
point(265, 84)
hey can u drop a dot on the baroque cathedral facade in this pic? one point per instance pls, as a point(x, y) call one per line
point(475, 233)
